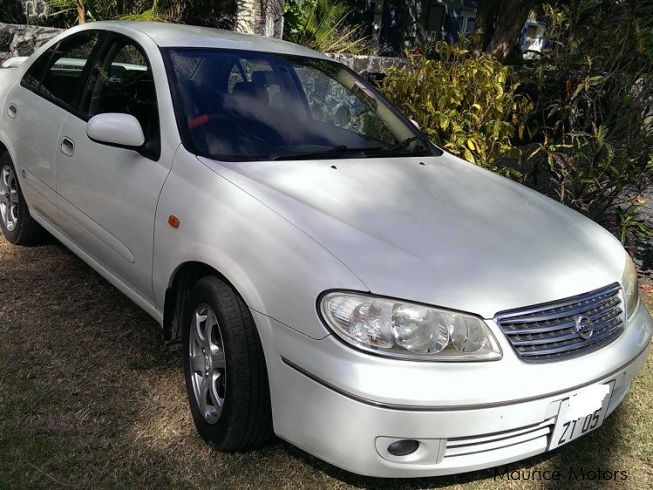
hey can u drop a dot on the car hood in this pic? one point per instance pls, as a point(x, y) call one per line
point(437, 230)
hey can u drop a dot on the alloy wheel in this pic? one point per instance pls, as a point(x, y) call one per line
point(9, 198)
point(207, 363)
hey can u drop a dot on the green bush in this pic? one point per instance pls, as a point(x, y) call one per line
point(593, 91)
point(464, 102)
point(65, 11)
point(213, 13)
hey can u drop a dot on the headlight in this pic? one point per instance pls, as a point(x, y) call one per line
point(405, 330)
point(631, 287)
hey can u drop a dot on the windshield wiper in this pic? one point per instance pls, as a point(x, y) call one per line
point(403, 144)
point(398, 149)
point(345, 150)
point(338, 150)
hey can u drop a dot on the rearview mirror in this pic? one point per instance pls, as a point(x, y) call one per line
point(114, 129)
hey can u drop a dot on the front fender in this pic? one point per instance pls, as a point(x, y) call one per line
point(277, 269)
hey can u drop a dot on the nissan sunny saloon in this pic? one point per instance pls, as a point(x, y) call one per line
point(332, 276)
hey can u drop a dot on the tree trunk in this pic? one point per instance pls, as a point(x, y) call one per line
point(274, 10)
point(500, 23)
point(246, 16)
point(377, 25)
point(81, 12)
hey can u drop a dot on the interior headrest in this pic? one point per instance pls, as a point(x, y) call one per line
point(251, 90)
point(264, 78)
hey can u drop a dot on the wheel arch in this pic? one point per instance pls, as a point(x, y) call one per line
point(7, 148)
point(181, 282)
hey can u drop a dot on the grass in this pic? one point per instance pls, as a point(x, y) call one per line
point(90, 398)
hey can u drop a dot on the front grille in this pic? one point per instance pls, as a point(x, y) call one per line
point(547, 332)
point(463, 446)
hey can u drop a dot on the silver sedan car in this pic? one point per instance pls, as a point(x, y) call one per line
point(332, 277)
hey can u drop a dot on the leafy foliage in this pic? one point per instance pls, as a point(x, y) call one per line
point(11, 11)
point(594, 108)
point(95, 9)
point(322, 25)
point(65, 11)
point(629, 228)
point(152, 14)
point(466, 103)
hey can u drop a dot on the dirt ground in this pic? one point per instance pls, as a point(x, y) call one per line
point(90, 398)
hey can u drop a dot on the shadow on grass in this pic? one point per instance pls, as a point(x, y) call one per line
point(89, 397)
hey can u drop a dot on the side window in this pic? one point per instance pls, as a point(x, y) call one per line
point(33, 76)
point(122, 81)
point(64, 76)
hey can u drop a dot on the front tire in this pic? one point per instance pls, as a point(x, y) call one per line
point(224, 366)
point(17, 224)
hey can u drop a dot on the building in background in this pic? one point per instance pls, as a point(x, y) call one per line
point(448, 19)
point(399, 25)
point(532, 39)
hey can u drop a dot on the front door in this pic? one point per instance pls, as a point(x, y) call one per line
point(108, 195)
point(37, 107)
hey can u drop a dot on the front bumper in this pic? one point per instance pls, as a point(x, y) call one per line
point(346, 407)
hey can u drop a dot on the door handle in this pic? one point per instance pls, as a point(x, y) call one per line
point(12, 110)
point(67, 146)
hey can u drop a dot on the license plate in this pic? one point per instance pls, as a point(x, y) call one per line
point(581, 413)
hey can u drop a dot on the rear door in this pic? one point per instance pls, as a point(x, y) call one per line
point(109, 194)
point(36, 109)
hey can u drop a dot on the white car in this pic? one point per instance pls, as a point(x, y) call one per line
point(333, 277)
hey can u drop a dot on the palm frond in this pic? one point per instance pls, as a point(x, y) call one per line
point(322, 25)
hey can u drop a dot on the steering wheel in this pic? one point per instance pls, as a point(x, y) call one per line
point(229, 121)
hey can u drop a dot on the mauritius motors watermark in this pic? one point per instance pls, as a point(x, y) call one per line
point(572, 473)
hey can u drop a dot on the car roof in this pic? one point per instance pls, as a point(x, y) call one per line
point(181, 35)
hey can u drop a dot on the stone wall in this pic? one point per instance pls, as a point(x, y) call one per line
point(367, 65)
point(22, 40)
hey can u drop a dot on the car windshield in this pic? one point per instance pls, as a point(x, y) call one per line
point(240, 106)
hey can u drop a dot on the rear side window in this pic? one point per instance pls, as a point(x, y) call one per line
point(65, 74)
point(33, 76)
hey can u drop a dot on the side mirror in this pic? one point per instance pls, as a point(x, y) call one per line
point(114, 129)
point(415, 123)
